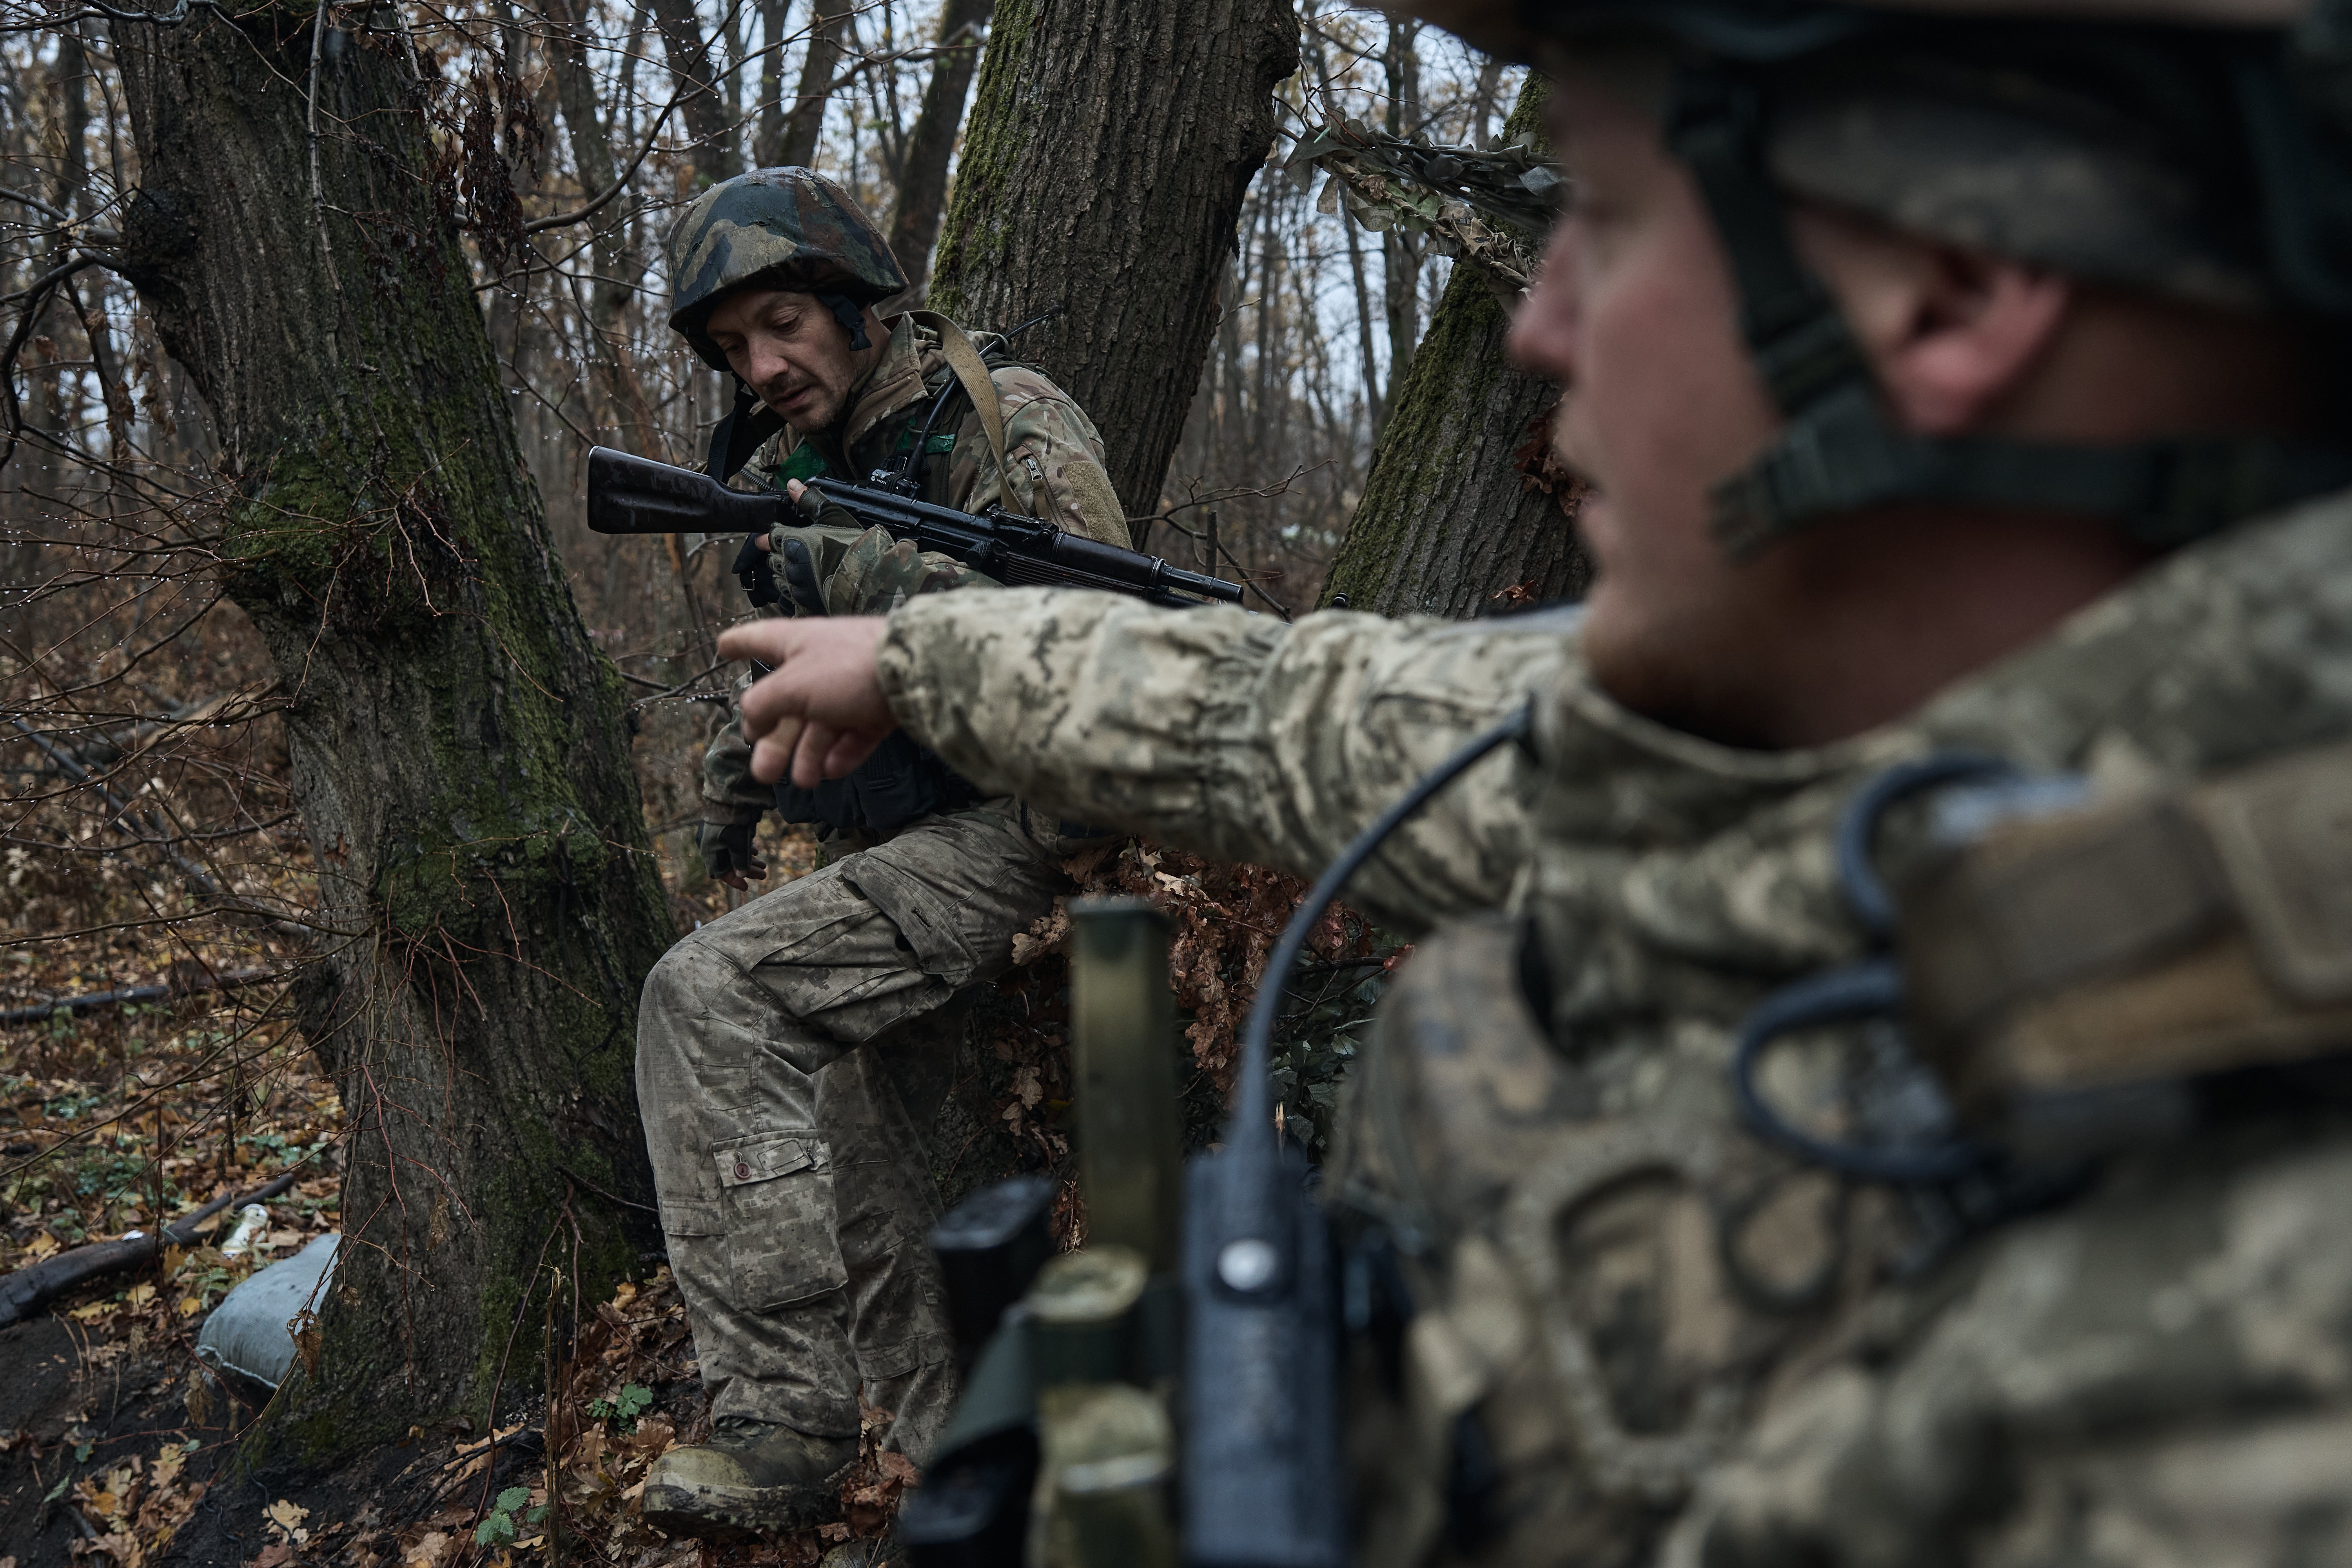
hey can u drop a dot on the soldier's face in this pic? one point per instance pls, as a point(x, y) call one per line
point(788, 348)
point(1635, 316)
point(1851, 620)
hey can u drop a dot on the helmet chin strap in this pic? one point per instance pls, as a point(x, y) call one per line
point(744, 430)
point(1838, 451)
point(852, 316)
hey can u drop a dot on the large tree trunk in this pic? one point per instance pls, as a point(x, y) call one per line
point(1104, 168)
point(931, 146)
point(460, 750)
point(1454, 521)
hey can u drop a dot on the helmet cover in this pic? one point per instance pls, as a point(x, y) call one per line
point(780, 229)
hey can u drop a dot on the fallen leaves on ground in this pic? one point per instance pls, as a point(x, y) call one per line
point(133, 1509)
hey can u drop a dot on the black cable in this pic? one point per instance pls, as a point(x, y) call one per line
point(1254, 1115)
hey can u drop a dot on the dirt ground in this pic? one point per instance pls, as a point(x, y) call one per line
point(107, 1459)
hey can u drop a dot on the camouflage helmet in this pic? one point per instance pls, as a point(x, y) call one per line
point(782, 228)
point(2194, 149)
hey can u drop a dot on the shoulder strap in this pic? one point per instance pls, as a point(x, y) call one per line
point(972, 372)
point(747, 428)
point(2187, 932)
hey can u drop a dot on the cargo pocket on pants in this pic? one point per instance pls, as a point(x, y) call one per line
point(776, 1189)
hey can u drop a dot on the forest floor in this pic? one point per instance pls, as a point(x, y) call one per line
point(117, 1447)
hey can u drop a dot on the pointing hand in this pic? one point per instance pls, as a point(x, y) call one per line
point(821, 712)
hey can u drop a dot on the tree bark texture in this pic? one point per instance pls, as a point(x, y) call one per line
point(460, 750)
point(768, 136)
point(592, 156)
point(1453, 520)
point(1104, 165)
point(931, 146)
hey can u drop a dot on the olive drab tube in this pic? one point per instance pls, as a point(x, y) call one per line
point(1063, 1451)
point(1124, 1036)
point(1107, 1445)
point(1102, 1321)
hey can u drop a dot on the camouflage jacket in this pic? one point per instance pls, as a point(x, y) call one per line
point(1052, 450)
point(1637, 1334)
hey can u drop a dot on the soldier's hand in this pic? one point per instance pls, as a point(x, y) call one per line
point(730, 853)
point(814, 507)
point(822, 713)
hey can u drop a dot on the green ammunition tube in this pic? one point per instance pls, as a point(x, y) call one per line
point(1131, 1161)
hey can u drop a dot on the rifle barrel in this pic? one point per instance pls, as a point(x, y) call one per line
point(993, 540)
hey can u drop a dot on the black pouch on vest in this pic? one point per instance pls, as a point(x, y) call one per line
point(900, 781)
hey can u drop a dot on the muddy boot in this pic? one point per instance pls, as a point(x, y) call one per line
point(750, 1478)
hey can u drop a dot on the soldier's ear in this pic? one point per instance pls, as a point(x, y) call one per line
point(1952, 333)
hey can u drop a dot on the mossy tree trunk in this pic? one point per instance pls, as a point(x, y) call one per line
point(1463, 512)
point(460, 749)
point(1105, 161)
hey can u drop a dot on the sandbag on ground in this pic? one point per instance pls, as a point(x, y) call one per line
point(247, 1334)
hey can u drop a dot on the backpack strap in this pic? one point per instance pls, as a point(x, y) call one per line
point(972, 371)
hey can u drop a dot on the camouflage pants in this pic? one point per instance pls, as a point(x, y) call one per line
point(796, 1190)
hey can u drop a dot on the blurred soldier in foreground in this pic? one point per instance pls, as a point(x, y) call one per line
point(1961, 387)
point(794, 1180)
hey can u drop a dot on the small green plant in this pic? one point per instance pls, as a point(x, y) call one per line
point(498, 1529)
point(620, 1413)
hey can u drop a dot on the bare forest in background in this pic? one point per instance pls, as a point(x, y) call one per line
point(570, 142)
point(153, 859)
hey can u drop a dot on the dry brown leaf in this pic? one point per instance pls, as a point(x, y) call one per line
point(1046, 934)
point(304, 1328)
point(430, 1551)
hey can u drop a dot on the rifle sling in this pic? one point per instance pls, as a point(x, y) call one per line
point(972, 371)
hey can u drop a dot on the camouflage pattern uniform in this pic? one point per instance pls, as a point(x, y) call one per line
point(792, 1167)
point(1676, 1344)
point(1632, 1329)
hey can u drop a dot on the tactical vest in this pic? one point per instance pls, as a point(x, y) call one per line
point(901, 782)
point(1605, 1297)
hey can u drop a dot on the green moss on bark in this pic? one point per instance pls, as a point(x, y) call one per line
point(1447, 521)
point(996, 136)
point(460, 748)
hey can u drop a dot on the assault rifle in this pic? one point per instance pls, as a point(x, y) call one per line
point(637, 495)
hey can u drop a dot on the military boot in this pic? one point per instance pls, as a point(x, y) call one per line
point(750, 1479)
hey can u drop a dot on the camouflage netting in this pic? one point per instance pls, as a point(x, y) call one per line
point(1488, 206)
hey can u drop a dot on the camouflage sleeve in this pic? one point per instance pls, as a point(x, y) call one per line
point(1234, 735)
point(1055, 455)
point(730, 792)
